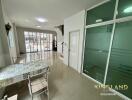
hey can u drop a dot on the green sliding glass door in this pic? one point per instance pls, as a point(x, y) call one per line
point(120, 66)
point(96, 51)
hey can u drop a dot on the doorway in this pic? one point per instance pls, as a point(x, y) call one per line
point(74, 49)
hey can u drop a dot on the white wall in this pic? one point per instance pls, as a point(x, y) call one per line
point(73, 23)
point(16, 40)
point(21, 40)
point(4, 50)
point(14, 51)
point(60, 39)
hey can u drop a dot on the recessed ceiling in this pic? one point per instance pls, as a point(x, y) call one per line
point(25, 12)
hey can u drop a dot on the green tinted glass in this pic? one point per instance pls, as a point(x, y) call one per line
point(101, 13)
point(96, 51)
point(120, 67)
point(124, 8)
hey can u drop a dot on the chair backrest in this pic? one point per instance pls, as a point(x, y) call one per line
point(40, 72)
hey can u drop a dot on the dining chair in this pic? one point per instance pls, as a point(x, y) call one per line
point(38, 85)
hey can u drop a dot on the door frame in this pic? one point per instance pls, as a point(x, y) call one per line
point(78, 30)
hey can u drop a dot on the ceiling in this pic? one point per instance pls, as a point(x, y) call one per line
point(25, 12)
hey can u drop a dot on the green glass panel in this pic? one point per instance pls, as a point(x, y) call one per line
point(101, 13)
point(124, 8)
point(120, 66)
point(96, 51)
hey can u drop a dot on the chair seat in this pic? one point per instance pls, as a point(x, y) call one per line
point(13, 97)
point(38, 84)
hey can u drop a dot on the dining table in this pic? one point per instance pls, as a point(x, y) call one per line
point(15, 73)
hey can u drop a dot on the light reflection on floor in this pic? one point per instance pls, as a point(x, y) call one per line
point(45, 56)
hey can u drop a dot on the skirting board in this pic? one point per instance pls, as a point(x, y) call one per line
point(112, 90)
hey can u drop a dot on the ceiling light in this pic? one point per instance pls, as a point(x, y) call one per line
point(42, 20)
point(38, 26)
point(128, 10)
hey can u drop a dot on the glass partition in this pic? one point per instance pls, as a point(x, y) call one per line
point(96, 51)
point(97, 42)
point(101, 13)
point(120, 66)
point(124, 8)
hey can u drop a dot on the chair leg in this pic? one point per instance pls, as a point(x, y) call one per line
point(29, 86)
point(31, 97)
point(48, 94)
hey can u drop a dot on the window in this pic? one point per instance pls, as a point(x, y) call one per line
point(35, 41)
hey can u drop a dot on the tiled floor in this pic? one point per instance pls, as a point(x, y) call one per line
point(64, 83)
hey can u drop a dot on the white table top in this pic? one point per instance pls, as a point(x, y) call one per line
point(12, 71)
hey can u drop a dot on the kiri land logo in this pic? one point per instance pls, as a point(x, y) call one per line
point(122, 87)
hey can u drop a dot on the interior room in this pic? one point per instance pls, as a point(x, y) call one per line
point(65, 49)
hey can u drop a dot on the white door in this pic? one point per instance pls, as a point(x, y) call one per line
point(73, 49)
